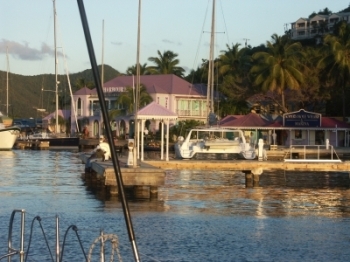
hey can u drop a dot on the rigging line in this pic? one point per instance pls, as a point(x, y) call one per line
point(44, 75)
point(69, 84)
point(222, 11)
point(200, 40)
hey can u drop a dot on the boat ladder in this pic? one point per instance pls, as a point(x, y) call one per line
point(23, 254)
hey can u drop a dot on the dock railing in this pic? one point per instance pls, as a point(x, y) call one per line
point(312, 153)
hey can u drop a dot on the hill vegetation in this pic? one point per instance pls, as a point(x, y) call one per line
point(310, 73)
point(26, 95)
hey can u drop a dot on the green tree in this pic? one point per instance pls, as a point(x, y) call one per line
point(166, 63)
point(196, 76)
point(233, 68)
point(127, 99)
point(81, 82)
point(314, 92)
point(335, 63)
point(278, 68)
point(143, 70)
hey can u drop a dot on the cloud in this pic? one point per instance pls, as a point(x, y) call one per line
point(116, 43)
point(167, 41)
point(23, 51)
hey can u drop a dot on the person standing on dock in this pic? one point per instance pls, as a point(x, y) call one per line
point(274, 137)
point(102, 150)
point(85, 132)
point(104, 146)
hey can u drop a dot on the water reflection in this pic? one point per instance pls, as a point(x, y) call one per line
point(198, 216)
point(224, 193)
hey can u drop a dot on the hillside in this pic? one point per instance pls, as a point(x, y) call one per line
point(25, 94)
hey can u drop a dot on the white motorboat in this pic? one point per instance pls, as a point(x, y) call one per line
point(214, 140)
point(8, 135)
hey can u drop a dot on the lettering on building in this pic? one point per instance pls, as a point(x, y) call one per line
point(118, 89)
point(302, 118)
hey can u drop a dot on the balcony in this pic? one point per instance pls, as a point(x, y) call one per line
point(189, 113)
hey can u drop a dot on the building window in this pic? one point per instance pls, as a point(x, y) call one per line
point(79, 107)
point(166, 102)
point(298, 134)
point(319, 139)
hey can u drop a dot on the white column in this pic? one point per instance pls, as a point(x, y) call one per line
point(138, 139)
point(142, 138)
point(167, 141)
point(162, 141)
point(336, 136)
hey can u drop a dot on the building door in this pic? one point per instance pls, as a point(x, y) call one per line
point(96, 129)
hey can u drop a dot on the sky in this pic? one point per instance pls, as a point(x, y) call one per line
point(181, 26)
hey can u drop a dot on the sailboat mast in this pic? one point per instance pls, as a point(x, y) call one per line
point(210, 88)
point(7, 81)
point(56, 62)
point(137, 90)
point(103, 53)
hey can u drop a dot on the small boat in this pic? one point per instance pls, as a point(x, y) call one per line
point(152, 146)
point(214, 140)
point(155, 146)
point(8, 135)
point(60, 141)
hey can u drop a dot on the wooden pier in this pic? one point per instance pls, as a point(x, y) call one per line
point(141, 181)
point(150, 174)
point(32, 144)
point(252, 169)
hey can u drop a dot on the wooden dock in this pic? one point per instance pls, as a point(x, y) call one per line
point(150, 174)
point(32, 144)
point(142, 181)
point(242, 165)
point(252, 169)
point(89, 143)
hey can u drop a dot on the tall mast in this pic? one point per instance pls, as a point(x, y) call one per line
point(137, 89)
point(103, 52)
point(210, 87)
point(56, 62)
point(7, 81)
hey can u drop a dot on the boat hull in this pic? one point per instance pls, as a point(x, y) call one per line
point(8, 137)
point(214, 141)
point(61, 142)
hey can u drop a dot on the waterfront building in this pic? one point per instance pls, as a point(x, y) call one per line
point(186, 100)
point(294, 128)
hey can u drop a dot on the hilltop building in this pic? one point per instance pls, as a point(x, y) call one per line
point(315, 27)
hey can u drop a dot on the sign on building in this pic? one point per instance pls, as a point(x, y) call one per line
point(302, 118)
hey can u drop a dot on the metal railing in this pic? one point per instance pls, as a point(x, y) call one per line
point(311, 153)
point(12, 251)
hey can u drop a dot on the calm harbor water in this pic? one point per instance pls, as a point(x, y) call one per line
point(198, 216)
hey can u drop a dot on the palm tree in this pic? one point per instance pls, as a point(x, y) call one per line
point(278, 68)
point(233, 68)
point(234, 61)
point(81, 82)
point(127, 98)
point(132, 70)
point(336, 62)
point(315, 91)
point(166, 63)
